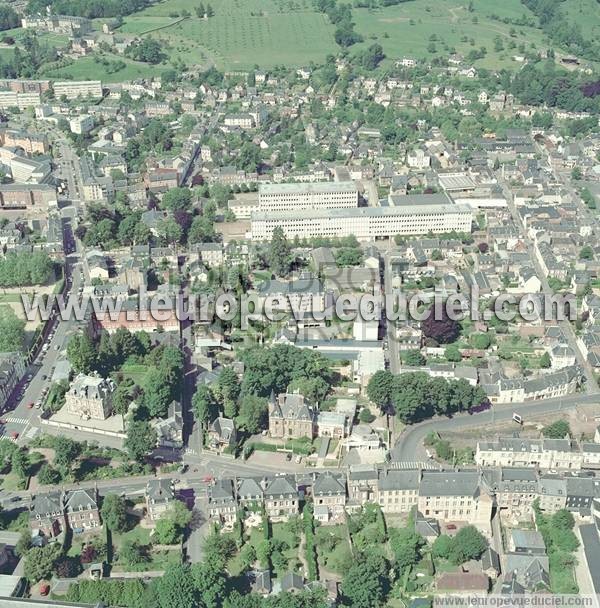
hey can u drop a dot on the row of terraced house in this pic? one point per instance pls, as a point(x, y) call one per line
point(449, 496)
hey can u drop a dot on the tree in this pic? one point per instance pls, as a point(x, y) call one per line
point(279, 253)
point(469, 543)
point(413, 358)
point(140, 440)
point(481, 341)
point(406, 545)
point(372, 57)
point(366, 583)
point(177, 199)
point(9, 19)
point(169, 231)
point(114, 513)
point(132, 553)
point(66, 451)
point(166, 532)
point(206, 408)
point(442, 328)
point(40, 561)
point(179, 514)
point(12, 331)
point(545, 361)
point(19, 463)
point(227, 390)
point(157, 394)
point(379, 389)
point(442, 547)
point(48, 476)
point(202, 230)
point(576, 173)
point(81, 353)
point(586, 253)
point(123, 396)
point(452, 354)
point(557, 430)
point(175, 588)
point(253, 414)
point(147, 50)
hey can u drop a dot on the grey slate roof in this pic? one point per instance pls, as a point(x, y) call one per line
point(448, 483)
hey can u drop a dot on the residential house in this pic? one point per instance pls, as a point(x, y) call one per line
point(82, 510)
point(291, 417)
point(281, 498)
point(329, 498)
point(222, 501)
point(159, 497)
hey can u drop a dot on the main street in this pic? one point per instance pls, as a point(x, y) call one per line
point(409, 445)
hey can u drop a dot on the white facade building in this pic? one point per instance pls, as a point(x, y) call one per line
point(297, 196)
point(72, 89)
point(420, 214)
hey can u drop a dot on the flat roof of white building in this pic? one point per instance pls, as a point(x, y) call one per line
point(308, 187)
point(366, 212)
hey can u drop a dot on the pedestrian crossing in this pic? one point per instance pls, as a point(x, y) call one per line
point(412, 465)
point(14, 420)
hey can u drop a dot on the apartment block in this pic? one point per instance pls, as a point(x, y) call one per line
point(72, 89)
point(13, 99)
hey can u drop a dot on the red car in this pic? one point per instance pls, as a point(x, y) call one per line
point(44, 589)
point(208, 479)
point(30, 404)
point(14, 435)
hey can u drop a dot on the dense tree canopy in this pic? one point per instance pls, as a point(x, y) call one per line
point(21, 269)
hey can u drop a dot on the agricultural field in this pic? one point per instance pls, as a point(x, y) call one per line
point(406, 29)
point(241, 34)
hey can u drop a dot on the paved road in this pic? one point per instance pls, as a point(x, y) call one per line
point(410, 443)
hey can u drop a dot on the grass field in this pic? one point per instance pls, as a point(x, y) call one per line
point(241, 34)
point(289, 32)
point(87, 68)
point(406, 29)
point(584, 13)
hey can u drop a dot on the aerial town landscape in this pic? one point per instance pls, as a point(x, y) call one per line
point(299, 303)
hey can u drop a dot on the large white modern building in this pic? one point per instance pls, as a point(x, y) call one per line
point(408, 215)
point(320, 195)
point(72, 89)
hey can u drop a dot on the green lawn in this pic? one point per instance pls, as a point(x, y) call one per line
point(8, 298)
point(333, 548)
point(87, 68)
point(137, 373)
point(405, 29)
point(159, 560)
